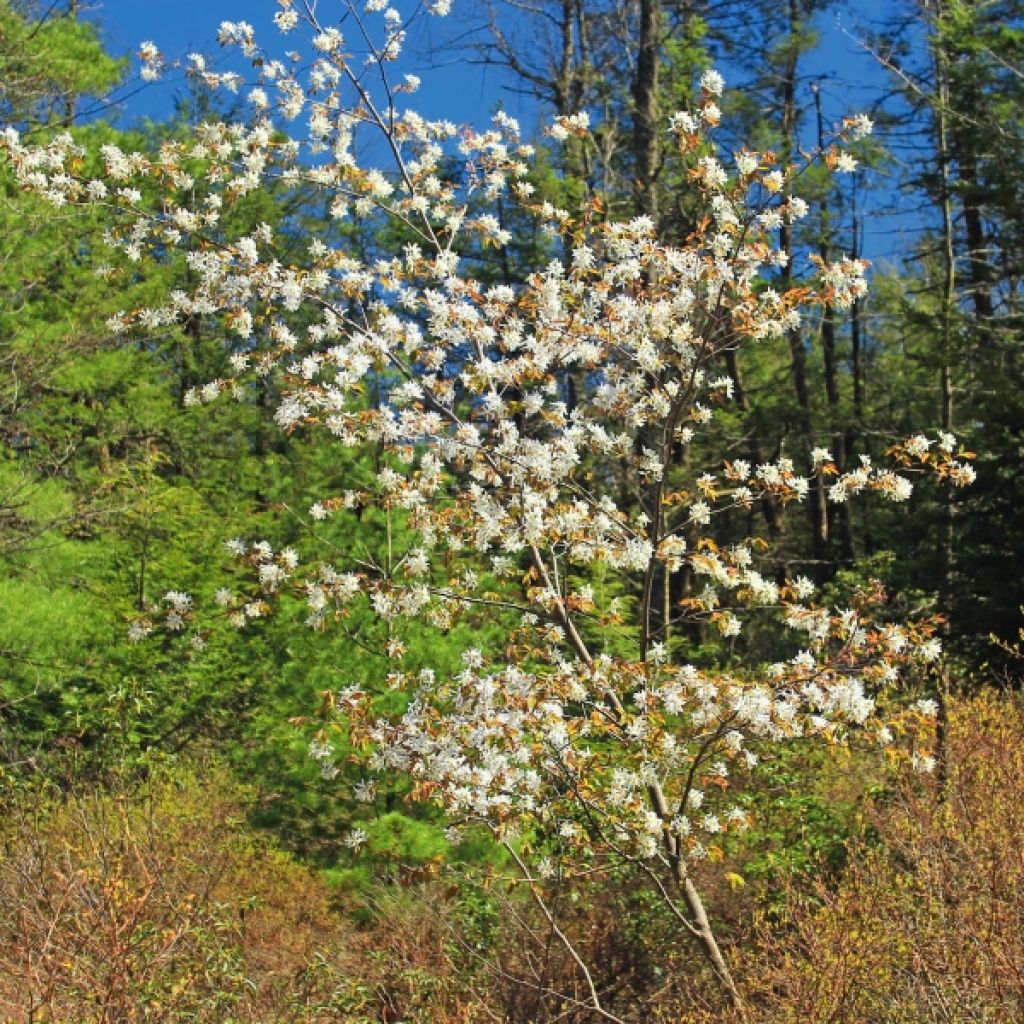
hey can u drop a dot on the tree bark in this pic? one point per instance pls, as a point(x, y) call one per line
point(645, 110)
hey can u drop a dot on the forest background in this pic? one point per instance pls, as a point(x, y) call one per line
point(123, 762)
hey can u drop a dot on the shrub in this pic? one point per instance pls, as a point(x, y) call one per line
point(928, 925)
point(158, 904)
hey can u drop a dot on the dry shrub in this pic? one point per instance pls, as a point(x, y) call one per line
point(644, 966)
point(537, 979)
point(409, 963)
point(159, 905)
point(927, 925)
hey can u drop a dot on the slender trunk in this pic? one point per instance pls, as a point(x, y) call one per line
point(853, 426)
point(831, 371)
point(709, 944)
point(563, 80)
point(787, 149)
point(978, 269)
point(645, 202)
point(856, 348)
point(580, 76)
point(70, 99)
point(756, 456)
point(645, 110)
point(817, 521)
point(569, 98)
point(946, 372)
point(700, 927)
point(828, 330)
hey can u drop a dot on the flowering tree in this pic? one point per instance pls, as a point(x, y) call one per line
point(535, 443)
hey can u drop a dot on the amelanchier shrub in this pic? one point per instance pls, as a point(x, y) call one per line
point(533, 440)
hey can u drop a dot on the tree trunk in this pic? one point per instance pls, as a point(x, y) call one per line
point(817, 518)
point(645, 111)
point(946, 541)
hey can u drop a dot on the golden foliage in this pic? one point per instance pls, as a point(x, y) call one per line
point(927, 925)
point(158, 904)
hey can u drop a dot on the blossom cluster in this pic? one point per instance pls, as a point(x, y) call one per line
point(534, 433)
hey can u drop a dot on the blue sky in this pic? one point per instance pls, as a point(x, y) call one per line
point(463, 92)
point(452, 89)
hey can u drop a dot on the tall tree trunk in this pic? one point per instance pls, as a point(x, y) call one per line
point(978, 269)
point(946, 388)
point(645, 110)
point(856, 423)
point(817, 517)
point(831, 370)
point(71, 100)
